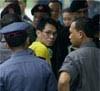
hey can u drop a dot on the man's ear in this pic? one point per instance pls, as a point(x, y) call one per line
point(81, 34)
point(38, 33)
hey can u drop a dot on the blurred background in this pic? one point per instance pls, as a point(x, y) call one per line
point(31, 3)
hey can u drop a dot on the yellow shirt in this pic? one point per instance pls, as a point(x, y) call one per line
point(40, 50)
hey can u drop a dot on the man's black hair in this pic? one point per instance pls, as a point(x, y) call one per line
point(96, 22)
point(42, 23)
point(86, 25)
point(55, 1)
point(16, 40)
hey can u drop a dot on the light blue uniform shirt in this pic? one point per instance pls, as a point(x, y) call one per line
point(25, 72)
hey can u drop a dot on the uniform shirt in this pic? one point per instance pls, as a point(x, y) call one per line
point(83, 66)
point(26, 72)
point(41, 50)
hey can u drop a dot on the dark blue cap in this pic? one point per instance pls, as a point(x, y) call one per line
point(15, 27)
point(11, 8)
point(41, 8)
point(78, 4)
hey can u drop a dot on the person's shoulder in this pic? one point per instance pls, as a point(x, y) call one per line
point(40, 61)
point(76, 53)
point(83, 52)
point(38, 45)
point(5, 64)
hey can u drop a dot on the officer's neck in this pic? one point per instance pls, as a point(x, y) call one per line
point(18, 49)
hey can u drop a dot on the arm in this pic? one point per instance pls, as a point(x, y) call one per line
point(63, 82)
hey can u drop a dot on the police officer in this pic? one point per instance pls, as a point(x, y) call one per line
point(5, 53)
point(38, 12)
point(24, 71)
point(79, 8)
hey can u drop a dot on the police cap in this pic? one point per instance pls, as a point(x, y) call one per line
point(78, 4)
point(41, 8)
point(12, 8)
point(15, 27)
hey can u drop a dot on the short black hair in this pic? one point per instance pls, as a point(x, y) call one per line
point(86, 25)
point(16, 40)
point(42, 23)
point(9, 18)
point(55, 1)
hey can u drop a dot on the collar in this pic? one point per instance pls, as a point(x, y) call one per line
point(23, 52)
point(89, 44)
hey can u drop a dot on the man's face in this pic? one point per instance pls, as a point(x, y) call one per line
point(48, 35)
point(82, 12)
point(74, 36)
point(67, 19)
point(37, 17)
point(55, 10)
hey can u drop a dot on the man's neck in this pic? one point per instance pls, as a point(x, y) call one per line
point(87, 40)
point(18, 49)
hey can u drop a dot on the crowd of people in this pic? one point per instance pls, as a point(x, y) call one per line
point(45, 54)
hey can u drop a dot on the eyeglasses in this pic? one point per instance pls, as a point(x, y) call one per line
point(50, 33)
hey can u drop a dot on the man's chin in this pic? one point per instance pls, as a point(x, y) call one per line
point(50, 44)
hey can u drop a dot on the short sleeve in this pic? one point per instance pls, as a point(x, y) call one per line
point(70, 66)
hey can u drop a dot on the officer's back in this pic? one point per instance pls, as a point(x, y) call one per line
point(24, 71)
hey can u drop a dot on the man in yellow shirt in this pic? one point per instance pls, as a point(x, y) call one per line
point(46, 35)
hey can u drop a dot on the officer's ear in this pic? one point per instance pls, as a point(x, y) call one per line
point(27, 41)
point(7, 46)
